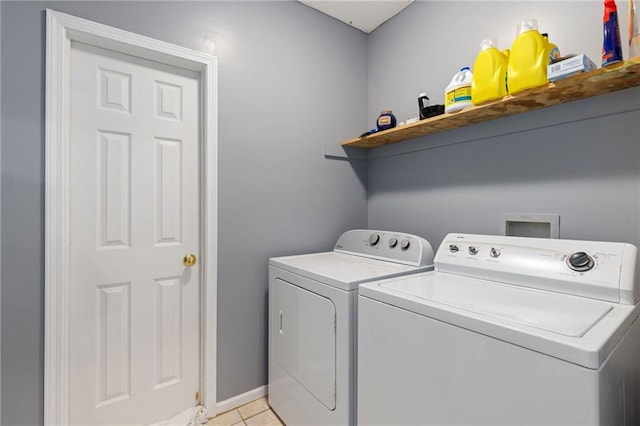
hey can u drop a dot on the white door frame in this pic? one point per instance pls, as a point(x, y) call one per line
point(62, 29)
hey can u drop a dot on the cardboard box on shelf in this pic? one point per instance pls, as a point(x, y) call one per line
point(570, 66)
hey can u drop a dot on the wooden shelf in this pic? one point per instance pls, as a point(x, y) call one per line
point(585, 85)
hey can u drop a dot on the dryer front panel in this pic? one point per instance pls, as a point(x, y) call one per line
point(304, 339)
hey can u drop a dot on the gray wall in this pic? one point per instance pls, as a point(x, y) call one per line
point(290, 80)
point(580, 160)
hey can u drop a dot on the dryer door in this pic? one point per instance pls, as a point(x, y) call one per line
point(305, 339)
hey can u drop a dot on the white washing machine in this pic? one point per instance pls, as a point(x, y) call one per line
point(504, 331)
point(312, 321)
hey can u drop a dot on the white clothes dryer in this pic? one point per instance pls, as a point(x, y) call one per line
point(312, 321)
point(504, 331)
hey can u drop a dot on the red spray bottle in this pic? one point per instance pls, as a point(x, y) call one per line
point(611, 48)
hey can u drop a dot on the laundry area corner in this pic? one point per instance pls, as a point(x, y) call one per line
point(342, 147)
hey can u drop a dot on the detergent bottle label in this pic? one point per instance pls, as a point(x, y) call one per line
point(461, 94)
point(554, 54)
point(611, 47)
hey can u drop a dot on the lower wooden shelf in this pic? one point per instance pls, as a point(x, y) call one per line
point(616, 77)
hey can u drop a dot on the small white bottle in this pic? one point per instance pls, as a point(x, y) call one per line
point(457, 95)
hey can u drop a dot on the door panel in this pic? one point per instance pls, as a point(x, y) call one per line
point(114, 331)
point(168, 156)
point(305, 339)
point(114, 180)
point(168, 298)
point(134, 214)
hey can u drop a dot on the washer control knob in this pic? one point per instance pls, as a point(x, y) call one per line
point(374, 239)
point(404, 244)
point(580, 261)
point(393, 242)
point(473, 250)
point(453, 248)
point(494, 252)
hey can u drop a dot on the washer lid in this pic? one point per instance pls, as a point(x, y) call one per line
point(579, 330)
point(557, 313)
point(341, 270)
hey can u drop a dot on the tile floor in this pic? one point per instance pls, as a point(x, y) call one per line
point(256, 413)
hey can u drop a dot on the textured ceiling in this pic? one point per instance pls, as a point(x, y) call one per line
point(366, 15)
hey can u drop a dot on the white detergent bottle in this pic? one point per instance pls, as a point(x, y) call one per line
point(457, 95)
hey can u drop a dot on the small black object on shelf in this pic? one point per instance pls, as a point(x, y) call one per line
point(431, 111)
point(368, 132)
point(423, 103)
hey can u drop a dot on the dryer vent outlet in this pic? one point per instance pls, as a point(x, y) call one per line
point(530, 225)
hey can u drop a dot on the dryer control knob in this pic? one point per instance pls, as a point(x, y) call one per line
point(393, 242)
point(374, 239)
point(404, 244)
point(580, 261)
point(494, 252)
point(453, 248)
point(473, 250)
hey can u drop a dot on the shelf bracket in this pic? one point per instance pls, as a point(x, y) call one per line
point(339, 152)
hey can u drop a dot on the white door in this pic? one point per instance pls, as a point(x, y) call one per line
point(134, 214)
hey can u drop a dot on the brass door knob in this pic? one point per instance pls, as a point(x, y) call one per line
point(189, 259)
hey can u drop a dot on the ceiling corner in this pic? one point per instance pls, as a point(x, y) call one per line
point(365, 15)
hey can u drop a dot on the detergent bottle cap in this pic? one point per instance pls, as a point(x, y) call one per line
point(488, 43)
point(465, 69)
point(528, 25)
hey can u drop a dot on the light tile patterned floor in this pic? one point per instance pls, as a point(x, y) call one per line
point(256, 413)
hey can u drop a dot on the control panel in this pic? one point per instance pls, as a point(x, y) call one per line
point(599, 270)
point(391, 246)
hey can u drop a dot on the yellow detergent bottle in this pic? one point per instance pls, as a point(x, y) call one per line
point(552, 50)
point(528, 59)
point(489, 73)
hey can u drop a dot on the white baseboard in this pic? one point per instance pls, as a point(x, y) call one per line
point(238, 400)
